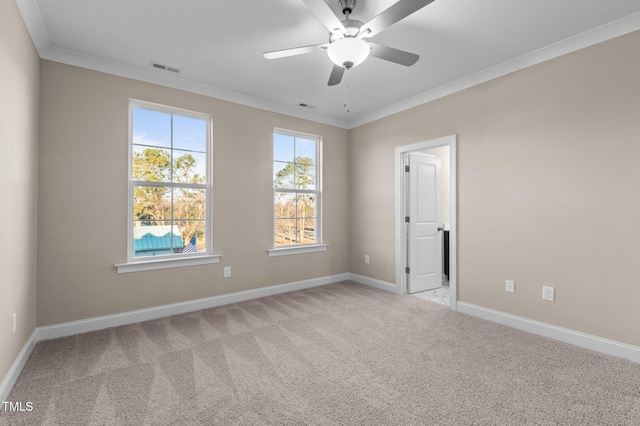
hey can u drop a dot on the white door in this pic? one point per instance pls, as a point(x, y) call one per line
point(424, 243)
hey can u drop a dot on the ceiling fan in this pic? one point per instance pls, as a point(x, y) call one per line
point(348, 45)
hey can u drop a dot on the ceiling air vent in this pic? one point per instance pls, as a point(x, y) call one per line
point(167, 68)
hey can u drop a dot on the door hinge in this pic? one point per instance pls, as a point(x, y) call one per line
point(406, 219)
point(406, 168)
point(406, 269)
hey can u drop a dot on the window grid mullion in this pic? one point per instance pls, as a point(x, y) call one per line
point(172, 187)
point(296, 191)
point(295, 185)
point(170, 184)
point(297, 219)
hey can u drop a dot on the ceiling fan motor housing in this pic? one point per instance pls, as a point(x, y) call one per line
point(351, 29)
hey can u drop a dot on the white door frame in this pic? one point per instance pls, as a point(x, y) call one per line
point(401, 251)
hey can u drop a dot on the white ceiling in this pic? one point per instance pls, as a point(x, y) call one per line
point(218, 45)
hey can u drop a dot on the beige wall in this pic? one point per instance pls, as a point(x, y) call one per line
point(548, 174)
point(83, 199)
point(19, 79)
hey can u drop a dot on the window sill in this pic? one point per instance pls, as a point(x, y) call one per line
point(284, 251)
point(150, 265)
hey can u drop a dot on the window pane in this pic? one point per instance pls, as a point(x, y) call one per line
point(306, 205)
point(192, 236)
point(285, 232)
point(283, 175)
point(306, 148)
point(151, 204)
point(151, 164)
point(307, 231)
point(155, 240)
point(189, 203)
point(151, 128)
point(189, 133)
point(189, 167)
point(283, 148)
point(285, 205)
point(305, 176)
point(172, 150)
point(296, 195)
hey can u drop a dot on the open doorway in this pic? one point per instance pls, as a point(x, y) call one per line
point(437, 230)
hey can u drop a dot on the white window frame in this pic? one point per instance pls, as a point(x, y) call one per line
point(300, 248)
point(137, 264)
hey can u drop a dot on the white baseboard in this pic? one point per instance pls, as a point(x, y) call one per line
point(610, 347)
point(577, 338)
point(132, 317)
point(372, 282)
point(16, 367)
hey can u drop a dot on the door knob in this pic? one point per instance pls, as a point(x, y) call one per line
point(440, 228)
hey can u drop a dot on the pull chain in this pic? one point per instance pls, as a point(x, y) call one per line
point(346, 93)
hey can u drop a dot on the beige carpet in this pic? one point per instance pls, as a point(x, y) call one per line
point(338, 354)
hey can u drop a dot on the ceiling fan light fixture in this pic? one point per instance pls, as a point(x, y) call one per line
point(348, 52)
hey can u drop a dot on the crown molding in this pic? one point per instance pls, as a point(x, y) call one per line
point(589, 38)
point(35, 25)
point(177, 82)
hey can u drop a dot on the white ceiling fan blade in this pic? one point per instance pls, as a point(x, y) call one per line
point(390, 16)
point(336, 75)
point(324, 13)
point(393, 55)
point(294, 51)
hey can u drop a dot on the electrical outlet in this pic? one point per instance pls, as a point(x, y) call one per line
point(510, 286)
point(14, 324)
point(227, 271)
point(366, 258)
point(548, 293)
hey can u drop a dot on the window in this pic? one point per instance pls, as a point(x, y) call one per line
point(170, 183)
point(296, 189)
